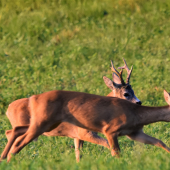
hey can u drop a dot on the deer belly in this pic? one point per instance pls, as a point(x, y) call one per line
point(64, 129)
point(126, 132)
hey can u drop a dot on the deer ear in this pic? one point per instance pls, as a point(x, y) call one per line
point(108, 82)
point(116, 79)
point(167, 97)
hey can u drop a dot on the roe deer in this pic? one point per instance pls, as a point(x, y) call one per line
point(109, 115)
point(19, 114)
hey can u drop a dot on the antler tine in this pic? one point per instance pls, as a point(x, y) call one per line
point(125, 66)
point(117, 73)
point(113, 68)
point(129, 74)
point(128, 71)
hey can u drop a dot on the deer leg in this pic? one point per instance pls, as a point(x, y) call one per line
point(81, 143)
point(114, 145)
point(8, 134)
point(140, 136)
point(11, 136)
point(85, 135)
point(22, 141)
point(92, 137)
point(77, 148)
point(33, 132)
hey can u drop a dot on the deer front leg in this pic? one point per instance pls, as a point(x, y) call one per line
point(140, 136)
point(11, 136)
point(114, 145)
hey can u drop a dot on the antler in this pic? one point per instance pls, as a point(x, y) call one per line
point(117, 73)
point(128, 71)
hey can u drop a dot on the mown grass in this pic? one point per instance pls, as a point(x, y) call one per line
point(68, 45)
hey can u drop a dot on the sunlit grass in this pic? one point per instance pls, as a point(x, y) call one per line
point(68, 45)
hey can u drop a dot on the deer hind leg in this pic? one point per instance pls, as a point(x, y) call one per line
point(32, 133)
point(81, 144)
point(8, 134)
point(140, 136)
point(77, 143)
point(85, 135)
point(11, 136)
point(23, 140)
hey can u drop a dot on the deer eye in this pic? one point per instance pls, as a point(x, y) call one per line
point(126, 94)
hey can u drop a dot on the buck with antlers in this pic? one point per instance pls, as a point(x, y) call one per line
point(119, 88)
point(19, 115)
point(111, 116)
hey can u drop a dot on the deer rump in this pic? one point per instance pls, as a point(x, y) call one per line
point(92, 112)
point(19, 114)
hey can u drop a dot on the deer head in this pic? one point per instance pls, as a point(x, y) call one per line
point(119, 87)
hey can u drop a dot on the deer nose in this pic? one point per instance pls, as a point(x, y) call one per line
point(139, 102)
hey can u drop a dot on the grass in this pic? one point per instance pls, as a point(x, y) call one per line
point(68, 45)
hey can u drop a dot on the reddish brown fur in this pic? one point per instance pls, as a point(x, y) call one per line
point(111, 94)
point(19, 115)
point(92, 112)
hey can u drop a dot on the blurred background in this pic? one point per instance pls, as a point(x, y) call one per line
point(68, 45)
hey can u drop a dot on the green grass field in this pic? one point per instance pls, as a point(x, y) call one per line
point(68, 45)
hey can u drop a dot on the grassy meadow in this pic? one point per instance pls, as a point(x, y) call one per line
point(68, 45)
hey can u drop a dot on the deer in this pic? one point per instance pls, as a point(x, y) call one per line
point(18, 114)
point(110, 116)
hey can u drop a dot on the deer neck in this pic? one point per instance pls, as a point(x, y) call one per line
point(149, 115)
point(111, 94)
